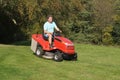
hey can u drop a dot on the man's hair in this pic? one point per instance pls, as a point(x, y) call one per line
point(49, 16)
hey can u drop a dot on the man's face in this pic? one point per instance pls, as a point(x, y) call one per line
point(50, 19)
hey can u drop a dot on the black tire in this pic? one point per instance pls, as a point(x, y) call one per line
point(39, 52)
point(75, 57)
point(58, 57)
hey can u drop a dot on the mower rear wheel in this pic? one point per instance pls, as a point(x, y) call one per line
point(75, 57)
point(39, 52)
point(58, 57)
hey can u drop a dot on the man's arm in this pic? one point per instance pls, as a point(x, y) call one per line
point(57, 29)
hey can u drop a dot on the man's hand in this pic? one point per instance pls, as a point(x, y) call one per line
point(60, 31)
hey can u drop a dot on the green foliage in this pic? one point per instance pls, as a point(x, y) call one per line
point(102, 17)
point(107, 37)
point(116, 18)
point(80, 20)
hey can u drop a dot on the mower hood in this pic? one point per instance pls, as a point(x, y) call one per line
point(65, 41)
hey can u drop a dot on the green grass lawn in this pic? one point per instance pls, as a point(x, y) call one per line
point(94, 63)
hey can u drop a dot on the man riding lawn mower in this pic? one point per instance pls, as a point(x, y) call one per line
point(52, 45)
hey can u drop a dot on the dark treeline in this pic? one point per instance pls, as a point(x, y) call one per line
point(91, 21)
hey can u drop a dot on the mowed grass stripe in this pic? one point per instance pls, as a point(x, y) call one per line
point(94, 63)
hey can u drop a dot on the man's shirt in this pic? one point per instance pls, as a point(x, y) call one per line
point(50, 26)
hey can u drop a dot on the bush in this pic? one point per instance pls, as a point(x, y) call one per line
point(107, 39)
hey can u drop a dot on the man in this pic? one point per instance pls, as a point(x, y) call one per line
point(49, 27)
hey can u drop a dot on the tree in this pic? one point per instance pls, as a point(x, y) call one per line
point(116, 18)
point(95, 21)
point(103, 12)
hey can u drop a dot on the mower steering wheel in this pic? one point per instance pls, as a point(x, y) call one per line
point(57, 33)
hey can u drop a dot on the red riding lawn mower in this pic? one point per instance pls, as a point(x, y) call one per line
point(63, 48)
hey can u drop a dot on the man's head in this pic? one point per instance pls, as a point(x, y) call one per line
point(50, 18)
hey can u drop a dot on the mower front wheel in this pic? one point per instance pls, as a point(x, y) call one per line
point(58, 57)
point(39, 52)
